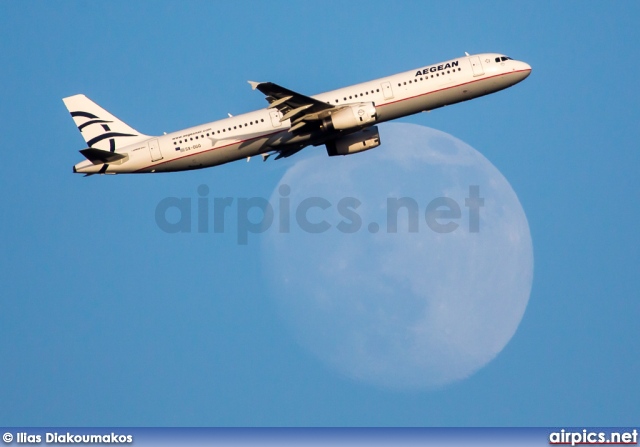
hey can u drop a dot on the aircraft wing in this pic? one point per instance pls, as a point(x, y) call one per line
point(298, 108)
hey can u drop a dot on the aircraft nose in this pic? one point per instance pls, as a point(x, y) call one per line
point(522, 70)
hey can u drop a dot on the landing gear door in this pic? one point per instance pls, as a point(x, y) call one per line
point(154, 149)
point(386, 90)
point(476, 66)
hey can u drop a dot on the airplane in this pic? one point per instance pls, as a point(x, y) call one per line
point(344, 120)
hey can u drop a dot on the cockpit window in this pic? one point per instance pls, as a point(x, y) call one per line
point(497, 59)
point(504, 58)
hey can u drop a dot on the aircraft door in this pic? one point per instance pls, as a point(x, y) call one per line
point(154, 149)
point(476, 66)
point(386, 90)
point(275, 117)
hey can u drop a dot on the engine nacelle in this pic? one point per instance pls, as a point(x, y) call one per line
point(356, 142)
point(355, 115)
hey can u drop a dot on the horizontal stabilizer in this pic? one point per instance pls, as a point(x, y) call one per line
point(98, 156)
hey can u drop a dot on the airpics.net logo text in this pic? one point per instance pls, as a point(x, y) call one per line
point(588, 437)
point(313, 215)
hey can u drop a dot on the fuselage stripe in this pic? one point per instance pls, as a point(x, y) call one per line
point(381, 105)
point(452, 86)
point(209, 150)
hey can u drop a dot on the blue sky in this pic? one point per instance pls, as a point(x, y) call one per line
point(106, 320)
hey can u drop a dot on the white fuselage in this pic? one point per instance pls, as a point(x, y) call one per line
point(261, 131)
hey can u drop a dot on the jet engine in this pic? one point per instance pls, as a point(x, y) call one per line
point(351, 116)
point(356, 142)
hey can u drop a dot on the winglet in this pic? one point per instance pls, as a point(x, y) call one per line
point(254, 84)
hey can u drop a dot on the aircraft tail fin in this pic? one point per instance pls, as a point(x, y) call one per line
point(100, 129)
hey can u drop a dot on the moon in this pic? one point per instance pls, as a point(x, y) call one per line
point(403, 297)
